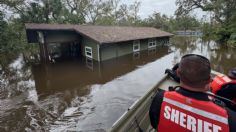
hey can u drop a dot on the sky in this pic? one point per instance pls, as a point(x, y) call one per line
point(168, 7)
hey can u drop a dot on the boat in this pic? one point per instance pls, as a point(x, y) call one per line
point(136, 118)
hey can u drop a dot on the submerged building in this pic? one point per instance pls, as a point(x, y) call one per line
point(188, 33)
point(99, 43)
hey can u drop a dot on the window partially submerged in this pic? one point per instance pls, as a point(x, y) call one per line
point(88, 52)
point(152, 43)
point(136, 45)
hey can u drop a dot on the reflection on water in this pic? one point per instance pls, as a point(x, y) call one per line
point(79, 73)
point(84, 95)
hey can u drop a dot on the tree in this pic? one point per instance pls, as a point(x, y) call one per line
point(3, 26)
point(223, 10)
point(171, 24)
point(158, 21)
point(187, 22)
point(40, 11)
point(128, 15)
point(75, 11)
point(224, 13)
point(134, 9)
point(98, 9)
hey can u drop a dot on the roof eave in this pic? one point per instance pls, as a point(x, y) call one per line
point(108, 42)
point(41, 29)
point(99, 42)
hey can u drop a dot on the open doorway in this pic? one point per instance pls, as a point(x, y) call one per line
point(64, 51)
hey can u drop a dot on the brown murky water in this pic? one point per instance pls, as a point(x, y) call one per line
point(83, 95)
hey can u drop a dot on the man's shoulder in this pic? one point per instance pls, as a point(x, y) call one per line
point(160, 94)
point(158, 99)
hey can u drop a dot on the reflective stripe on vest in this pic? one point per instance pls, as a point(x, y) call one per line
point(220, 81)
point(180, 113)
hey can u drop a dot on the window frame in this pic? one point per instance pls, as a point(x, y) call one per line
point(153, 43)
point(86, 52)
point(136, 43)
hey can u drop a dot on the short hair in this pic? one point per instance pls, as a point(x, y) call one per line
point(232, 73)
point(194, 70)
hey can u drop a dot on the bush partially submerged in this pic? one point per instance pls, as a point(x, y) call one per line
point(232, 40)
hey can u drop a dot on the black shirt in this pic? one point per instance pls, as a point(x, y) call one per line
point(155, 108)
point(228, 91)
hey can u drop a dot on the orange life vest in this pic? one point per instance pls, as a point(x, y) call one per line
point(220, 81)
point(184, 114)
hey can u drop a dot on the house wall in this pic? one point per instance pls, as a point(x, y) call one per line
point(61, 36)
point(125, 48)
point(110, 51)
point(65, 37)
point(162, 40)
point(90, 43)
point(99, 52)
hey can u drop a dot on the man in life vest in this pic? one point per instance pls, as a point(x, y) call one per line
point(225, 86)
point(189, 108)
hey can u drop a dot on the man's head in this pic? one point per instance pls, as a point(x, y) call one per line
point(194, 72)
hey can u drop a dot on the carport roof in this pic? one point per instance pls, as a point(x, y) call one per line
point(103, 34)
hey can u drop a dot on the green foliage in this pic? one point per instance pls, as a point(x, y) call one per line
point(12, 39)
point(208, 31)
point(222, 34)
point(158, 21)
point(70, 18)
point(12, 42)
point(186, 22)
point(106, 20)
point(115, 14)
point(223, 11)
point(232, 40)
point(172, 24)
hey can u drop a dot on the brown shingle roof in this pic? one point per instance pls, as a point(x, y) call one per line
point(104, 34)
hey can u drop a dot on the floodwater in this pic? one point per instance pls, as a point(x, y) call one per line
point(84, 95)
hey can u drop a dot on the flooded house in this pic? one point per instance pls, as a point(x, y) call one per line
point(98, 43)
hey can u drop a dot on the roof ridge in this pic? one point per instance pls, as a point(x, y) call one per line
point(76, 25)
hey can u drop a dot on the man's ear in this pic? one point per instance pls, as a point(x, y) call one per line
point(178, 72)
